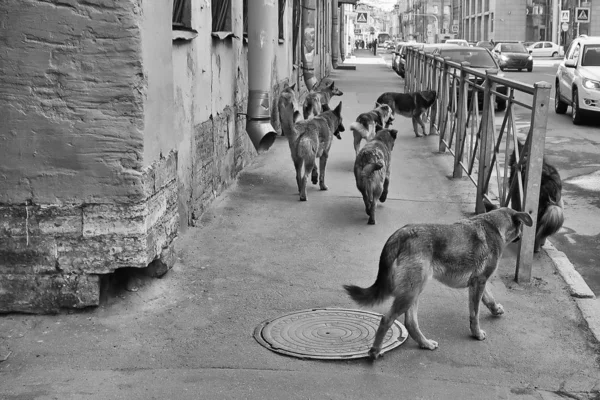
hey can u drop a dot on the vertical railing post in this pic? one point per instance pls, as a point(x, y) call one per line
point(487, 142)
point(434, 109)
point(406, 66)
point(533, 175)
point(461, 123)
point(445, 101)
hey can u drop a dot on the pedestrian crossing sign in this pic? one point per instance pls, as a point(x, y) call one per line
point(582, 14)
point(362, 17)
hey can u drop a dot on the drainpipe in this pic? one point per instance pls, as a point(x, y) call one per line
point(261, 47)
point(309, 16)
point(335, 34)
point(342, 39)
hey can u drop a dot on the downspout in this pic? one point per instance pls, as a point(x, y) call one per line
point(309, 16)
point(261, 47)
point(335, 33)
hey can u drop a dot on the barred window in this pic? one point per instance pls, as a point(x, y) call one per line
point(221, 15)
point(182, 14)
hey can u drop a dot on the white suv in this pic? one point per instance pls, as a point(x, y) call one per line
point(578, 79)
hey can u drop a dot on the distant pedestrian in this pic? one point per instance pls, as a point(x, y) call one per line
point(375, 47)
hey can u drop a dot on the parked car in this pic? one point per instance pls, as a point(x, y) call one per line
point(485, 44)
point(578, 79)
point(460, 42)
point(544, 49)
point(480, 59)
point(527, 44)
point(402, 61)
point(513, 56)
point(396, 56)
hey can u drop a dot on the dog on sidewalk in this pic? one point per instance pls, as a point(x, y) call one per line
point(317, 100)
point(309, 140)
point(367, 124)
point(550, 217)
point(287, 97)
point(460, 255)
point(410, 105)
point(372, 170)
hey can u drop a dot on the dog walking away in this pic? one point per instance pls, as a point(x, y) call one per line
point(410, 105)
point(460, 255)
point(372, 170)
point(287, 97)
point(317, 100)
point(370, 122)
point(313, 141)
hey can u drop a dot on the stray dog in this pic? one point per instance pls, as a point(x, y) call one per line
point(372, 170)
point(460, 255)
point(370, 122)
point(317, 100)
point(314, 137)
point(550, 216)
point(410, 105)
point(287, 97)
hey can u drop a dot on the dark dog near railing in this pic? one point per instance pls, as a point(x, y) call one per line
point(410, 105)
point(550, 217)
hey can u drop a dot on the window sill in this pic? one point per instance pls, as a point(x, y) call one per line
point(183, 34)
point(223, 35)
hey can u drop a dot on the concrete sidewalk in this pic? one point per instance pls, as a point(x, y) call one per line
point(260, 253)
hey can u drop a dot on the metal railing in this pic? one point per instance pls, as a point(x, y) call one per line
point(482, 141)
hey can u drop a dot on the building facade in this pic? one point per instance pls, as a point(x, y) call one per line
point(122, 121)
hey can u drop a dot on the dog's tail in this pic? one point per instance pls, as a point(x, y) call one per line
point(360, 129)
point(371, 167)
point(306, 149)
point(551, 221)
point(379, 291)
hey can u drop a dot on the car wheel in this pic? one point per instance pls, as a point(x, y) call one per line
point(520, 69)
point(577, 116)
point(529, 69)
point(555, 54)
point(501, 68)
point(560, 107)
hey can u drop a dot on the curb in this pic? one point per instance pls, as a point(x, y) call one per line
point(585, 299)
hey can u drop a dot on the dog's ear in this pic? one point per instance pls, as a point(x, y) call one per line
point(394, 133)
point(293, 87)
point(330, 84)
point(523, 217)
point(338, 109)
point(377, 105)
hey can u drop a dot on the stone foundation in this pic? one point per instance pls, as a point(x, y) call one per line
point(51, 256)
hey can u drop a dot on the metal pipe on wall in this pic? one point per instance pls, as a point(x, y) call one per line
point(335, 33)
point(309, 18)
point(261, 48)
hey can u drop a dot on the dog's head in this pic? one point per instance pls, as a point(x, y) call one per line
point(388, 115)
point(387, 136)
point(429, 96)
point(288, 97)
point(339, 125)
point(328, 85)
point(509, 222)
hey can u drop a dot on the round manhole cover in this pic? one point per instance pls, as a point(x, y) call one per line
point(327, 333)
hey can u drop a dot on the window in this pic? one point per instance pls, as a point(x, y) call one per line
point(296, 29)
point(281, 21)
point(221, 15)
point(547, 45)
point(182, 14)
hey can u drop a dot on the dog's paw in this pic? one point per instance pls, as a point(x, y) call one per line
point(498, 310)
point(383, 197)
point(479, 335)
point(323, 186)
point(371, 221)
point(429, 345)
point(374, 353)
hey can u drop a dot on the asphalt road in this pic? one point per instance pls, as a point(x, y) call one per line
point(575, 152)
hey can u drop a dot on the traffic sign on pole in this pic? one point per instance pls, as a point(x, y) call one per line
point(565, 15)
point(582, 14)
point(362, 17)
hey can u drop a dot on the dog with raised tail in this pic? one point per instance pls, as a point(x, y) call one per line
point(550, 216)
point(368, 123)
point(460, 255)
point(372, 170)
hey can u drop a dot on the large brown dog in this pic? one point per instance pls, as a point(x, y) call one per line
point(460, 255)
point(372, 170)
point(317, 100)
point(311, 139)
point(368, 123)
point(410, 105)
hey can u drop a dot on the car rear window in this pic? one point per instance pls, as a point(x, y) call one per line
point(591, 56)
point(513, 48)
point(477, 57)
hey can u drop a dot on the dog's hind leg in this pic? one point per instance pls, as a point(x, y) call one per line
point(386, 184)
point(308, 166)
point(322, 165)
point(298, 166)
point(412, 325)
point(400, 305)
point(314, 175)
point(488, 299)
